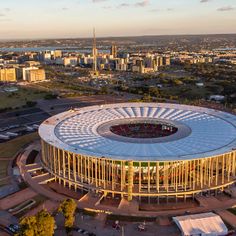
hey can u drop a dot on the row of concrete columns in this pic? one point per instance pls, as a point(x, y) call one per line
point(131, 178)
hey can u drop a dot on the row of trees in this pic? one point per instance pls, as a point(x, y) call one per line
point(43, 223)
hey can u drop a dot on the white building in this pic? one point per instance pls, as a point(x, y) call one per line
point(206, 224)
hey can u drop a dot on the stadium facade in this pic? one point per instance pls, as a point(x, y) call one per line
point(141, 149)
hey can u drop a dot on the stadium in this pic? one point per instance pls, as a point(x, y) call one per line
point(141, 150)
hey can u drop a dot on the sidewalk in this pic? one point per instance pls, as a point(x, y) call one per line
point(227, 217)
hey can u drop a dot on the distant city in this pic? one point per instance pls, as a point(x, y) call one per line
point(118, 136)
point(25, 64)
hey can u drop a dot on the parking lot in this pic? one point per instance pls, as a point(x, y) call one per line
point(18, 123)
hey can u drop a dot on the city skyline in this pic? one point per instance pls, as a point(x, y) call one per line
point(64, 19)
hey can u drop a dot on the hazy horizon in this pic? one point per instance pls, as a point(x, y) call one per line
point(34, 19)
point(118, 36)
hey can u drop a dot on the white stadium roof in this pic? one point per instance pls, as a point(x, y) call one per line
point(201, 132)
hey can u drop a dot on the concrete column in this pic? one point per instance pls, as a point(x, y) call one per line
point(233, 165)
point(112, 175)
point(64, 167)
point(96, 172)
point(59, 163)
point(217, 170)
point(223, 169)
point(157, 176)
point(130, 180)
point(69, 171)
point(140, 177)
point(74, 167)
point(201, 172)
point(81, 169)
point(186, 175)
point(149, 177)
point(78, 167)
point(54, 160)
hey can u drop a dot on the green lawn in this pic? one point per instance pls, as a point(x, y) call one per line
point(19, 98)
point(3, 168)
point(3, 171)
point(4, 182)
point(10, 148)
point(232, 210)
point(187, 91)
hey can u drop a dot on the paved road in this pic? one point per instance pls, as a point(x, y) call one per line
point(64, 104)
point(101, 228)
point(5, 220)
point(17, 198)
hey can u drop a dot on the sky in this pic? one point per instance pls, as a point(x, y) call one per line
point(76, 18)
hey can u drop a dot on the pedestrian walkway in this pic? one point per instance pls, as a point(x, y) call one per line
point(48, 205)
point(227, 217)
point(17, 198)
point(208, 201)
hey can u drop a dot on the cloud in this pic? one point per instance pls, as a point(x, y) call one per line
point(65, 8)
point(159, 9)
point(5, 20)
point(226, 8)
point(124, 5)
point(142, 4)
point(107, 7)
point(4, 10)
point(155, 10)
point(137, 4)
point(203, 1)
point(4, 15)
point(97, 1)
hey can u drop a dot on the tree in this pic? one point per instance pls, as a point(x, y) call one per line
point(45, 223)
point(42, 224)
point(31, 103)
point(67, 208)
point(27, 226)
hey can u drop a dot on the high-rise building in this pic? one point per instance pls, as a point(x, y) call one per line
point(32, 63)
point(22, 73)
point(94, 53)
point(70, 61)
point(35, 75)
point(166, 61)
point(57, 54)
point(160, 61)
point(8, 75)
point(47, 56)
point(113, 51)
